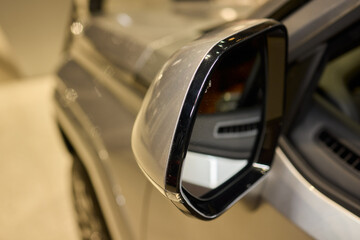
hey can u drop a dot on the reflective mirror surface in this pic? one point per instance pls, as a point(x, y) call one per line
point(208, 127)
point(228, 120)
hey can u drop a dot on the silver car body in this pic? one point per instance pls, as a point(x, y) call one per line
point(102, 135)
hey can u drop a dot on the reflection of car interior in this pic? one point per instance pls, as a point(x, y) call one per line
point(328, 134)
point(233, 134)
point(231, 107)
point(340, 84)
point(227, 123)
point(203, 173)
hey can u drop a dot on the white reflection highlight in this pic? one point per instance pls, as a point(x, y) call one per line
point(228, 14)
point(120, 200)
point(76, 28)
point(213, 173)
point(177, 62)
point(210, 171)
point(103, 154)
point(124, 20)
point(71, 95)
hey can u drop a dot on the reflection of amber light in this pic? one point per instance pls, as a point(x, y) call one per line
point(226, 79)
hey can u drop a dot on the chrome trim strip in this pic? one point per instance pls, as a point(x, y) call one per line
point(264, 168)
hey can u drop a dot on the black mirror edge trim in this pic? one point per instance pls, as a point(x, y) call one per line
point(186, 121)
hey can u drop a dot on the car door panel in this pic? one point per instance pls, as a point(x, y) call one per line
point(241, 221)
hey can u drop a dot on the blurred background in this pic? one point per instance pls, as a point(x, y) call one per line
point(36, 200)
point(32, 36)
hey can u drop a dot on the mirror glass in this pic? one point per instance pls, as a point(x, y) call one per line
point(228, 122)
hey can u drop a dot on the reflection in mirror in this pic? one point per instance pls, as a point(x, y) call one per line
point(228, 121)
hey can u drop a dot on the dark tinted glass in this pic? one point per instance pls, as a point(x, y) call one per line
point(228, 120)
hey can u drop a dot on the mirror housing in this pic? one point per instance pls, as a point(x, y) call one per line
point(164, 124)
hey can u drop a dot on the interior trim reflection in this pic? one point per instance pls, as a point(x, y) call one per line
point(205, 172)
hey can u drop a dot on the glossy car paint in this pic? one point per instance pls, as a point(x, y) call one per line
point(301, 202)
point(156, 131)
point(132, 208)
point(179, 84)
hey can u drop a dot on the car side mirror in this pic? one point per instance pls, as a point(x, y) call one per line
point(209, 123)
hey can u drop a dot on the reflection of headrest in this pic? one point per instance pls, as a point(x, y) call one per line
point(335, 79)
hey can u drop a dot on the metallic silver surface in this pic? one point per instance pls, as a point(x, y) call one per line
point(288, 191)
point(128, 41)
point(114, 214)
point(316, 22)
point(127, 91)
point(297, 199)
point(156, 122)
point(101, 137)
